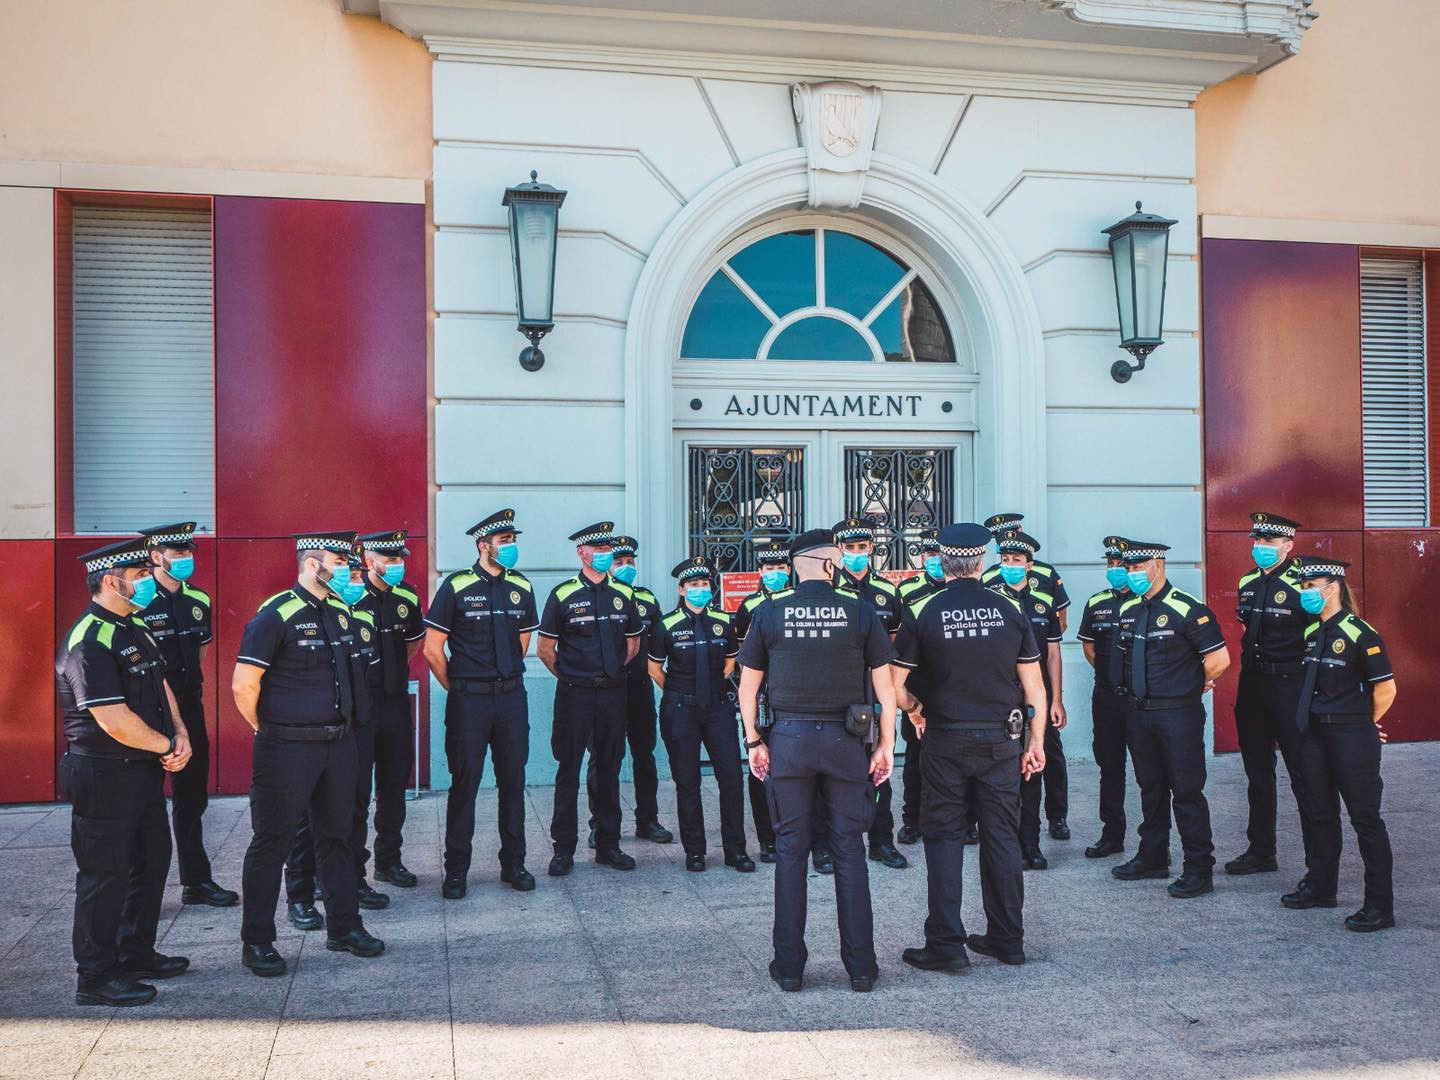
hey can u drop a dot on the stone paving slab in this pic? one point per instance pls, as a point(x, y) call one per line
point(661, 975)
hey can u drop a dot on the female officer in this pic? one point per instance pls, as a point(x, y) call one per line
point(1348, 688)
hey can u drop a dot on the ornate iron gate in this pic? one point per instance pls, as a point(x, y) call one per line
point(903, 491)
point(741, 497)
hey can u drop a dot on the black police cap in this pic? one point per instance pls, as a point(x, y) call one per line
point(998, 523)
point(694, 567)
point(624, 545)
point(344, 542)
point(134, 551)
point(1270, 526)
point(811, 539)
point(1144, 550)
point(1015, 540)
point(930, 540)
point(498, 522)
point(773, 552)
point(964, 540)
point(600, 534)
point(853, 528)
point(1313, 566)
point(180, 535)
point(1115, 546)
point(391, 542)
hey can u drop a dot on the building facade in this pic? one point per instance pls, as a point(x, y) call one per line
point(846, 261)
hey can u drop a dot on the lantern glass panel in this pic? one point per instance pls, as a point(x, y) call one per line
point(532, 236)
point(1121, 251)
point(1150, 248)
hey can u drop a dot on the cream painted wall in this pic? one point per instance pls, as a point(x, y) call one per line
point(275, 85)
point(1344, 131)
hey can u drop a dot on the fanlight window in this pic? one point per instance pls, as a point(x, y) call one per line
point(816, 294)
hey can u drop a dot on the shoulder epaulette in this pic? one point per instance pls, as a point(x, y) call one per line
point(1180, 603)
point(1044, 569)
point(1010, 599)
point(1099, 597)
point(363, 615)
point(645, 594)
point(1312, 628)
point(105, 633)
point(1247, 578)
point(885, 585)
point(623, 589)
point(1352, 627)
point(919, 605)
point(1043, 597)
point(678, 615)
point(462, 579)
point(285, 603)
point(195, 594)
point(406, 594)
point(1128, 604)
point(751, 602)
point(782, 593)
point(339, 604)
point(723, 616)
point(566, 588)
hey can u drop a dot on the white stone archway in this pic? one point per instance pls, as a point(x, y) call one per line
point(982, 275)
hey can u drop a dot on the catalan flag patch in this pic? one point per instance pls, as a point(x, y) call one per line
point(1373, 650)
point(1202, 620)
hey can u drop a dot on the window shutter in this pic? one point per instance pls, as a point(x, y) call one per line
point(144, 378)
point(1392, 349)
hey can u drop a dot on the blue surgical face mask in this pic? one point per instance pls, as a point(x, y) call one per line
point(601, 561)
point(1265, 555)
point(1117, 577)
point(775, 580)
point(507, 555)
point(857, 562)
point(1139, 582)
point(1013, 575)
point(698, 595)
point(933, 568)
point(1312, 600)
point(626, 573)
point(144, 591)
point(181, 569)
point(341, 585)
point(394, 573)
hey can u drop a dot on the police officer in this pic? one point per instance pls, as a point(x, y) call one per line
point(485, 616)
point(1050, 579)
point(296, 685)
point(639, 707)
point(930, 580)
point(976, 658)
point(822, 655)
point(1169, 652)
point(394, 604)
point(123, 732)
point(590, 631)
point(692, 651)
point(1107, 708)
point(1347, 688)
point(179, 619)
point(1017, 559)
point(856, 539)
point(1268, 695)
point(773, 560)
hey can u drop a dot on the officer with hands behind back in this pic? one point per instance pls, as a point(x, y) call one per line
point(824, 659)
point(123, 732)
point(912, 590)
point(973, 653)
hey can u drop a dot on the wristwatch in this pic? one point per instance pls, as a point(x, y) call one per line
point(171, 748)
point(752, 745)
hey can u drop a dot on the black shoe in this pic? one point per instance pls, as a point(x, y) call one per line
point(369, 899)
point(453, 887)
point(1104, 847)
point(1138, 870)
point(741, 862)
point(1250, 863)
point(888, 854)
point(157, 966)
point(1190, 884)
point(561, 865)
point(788, 983)
point(908, 834)
point(1034, 860)
point(518, 878)
point(304, 917)
point(1368, 919)
point(207, 892)
point(396, 874)
point(863, 984)
point(615, 859)
point(972, 837)
point(1307, 896)
point(981, 943)
point(591, 841)
point(823, 861)
point(654, 832)
point(1059, 830)
point(357, 942)
point(120, 992)
point(767, 853)
point(927, 959)
point(695, 863)
point(262, 960)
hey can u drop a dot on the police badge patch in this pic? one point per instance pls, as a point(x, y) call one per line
point(197, 612)
point(514, 597)
point(1162, 620)
point(1338, 646)
point(619, 604)
point(364, 633)
point(401, 610)
point(344, 622)
point(1280, 595)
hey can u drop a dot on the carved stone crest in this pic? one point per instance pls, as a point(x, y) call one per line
point(837, 123)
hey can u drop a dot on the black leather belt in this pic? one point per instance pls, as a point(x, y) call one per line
point(1293, 667)
point(1342, 718)
point(601, 683)
point(141, 756)
point(305, 732)
point(1155, 704)
point(490, 686)
point(691, 699)
point(822, 716)
point(1118, 691)
point(968, 725)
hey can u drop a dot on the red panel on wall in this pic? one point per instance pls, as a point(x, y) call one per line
point(1227, 559)
point(320, 345)
point(1277, 316)
point(27, 677)
point(1402, 574)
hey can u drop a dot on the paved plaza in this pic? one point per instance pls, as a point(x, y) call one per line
point(661, 974)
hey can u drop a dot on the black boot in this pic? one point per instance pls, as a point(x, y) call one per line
point(303, 916)
point(396, 874)
point(1190, 884)
point(207, 892)
point(262, 960)
point(518, 878)
point(1138, 870)
point(1250, 863)
point(121, 991)
point(1367, 920)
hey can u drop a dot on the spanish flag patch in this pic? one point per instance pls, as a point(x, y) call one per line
point(1372, 650)
point(1202, 620)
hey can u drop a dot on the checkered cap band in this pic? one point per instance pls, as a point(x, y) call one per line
point(1115, 546)
point(594, 537)
point(998, 523)
point(1143, 553)
point(854, 532)
point(961, 552)
point(623, 545)
point(166, 539)
point(382, 546)
point(1272, 528)
point(1321, 569)
point(326, 543)
point(695, 571)
point(1016, 544)
point(116, 558)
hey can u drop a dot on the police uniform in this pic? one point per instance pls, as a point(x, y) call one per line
point(1050, 579)
point(639, 718)
point(883, 599)
point(312, 695)
point(1268, 694)
point(817, 648)
point(180, 621)
point(1339, 754)
point(963, 643)
point(592, 623)
point(485, 615)
point(1107, 708)
point(118, 832)
point(1160, 645)
point(911, 591)
point(694, 647)
point(1039, 606)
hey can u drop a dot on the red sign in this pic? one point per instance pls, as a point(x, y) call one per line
point(735, 586)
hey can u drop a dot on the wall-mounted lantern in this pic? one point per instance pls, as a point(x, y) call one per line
point(534, 226)
point(1139, 250)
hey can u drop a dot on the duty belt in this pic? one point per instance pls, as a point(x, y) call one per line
point(967, 725)
point(490, 686)
point(600, 682)
point(305, 732)
point(693, 699)
point(1293, 667)
point(136, 756)
point(1157, 703)
point(819, 716)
